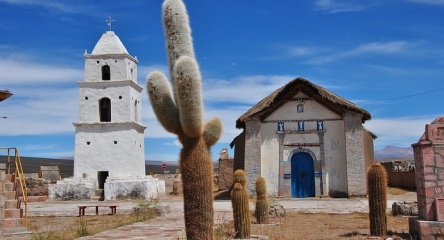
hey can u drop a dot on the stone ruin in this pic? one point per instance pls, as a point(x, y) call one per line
point(226, 170)
point(429, 161)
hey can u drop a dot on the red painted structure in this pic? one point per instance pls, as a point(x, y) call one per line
point(429, 161)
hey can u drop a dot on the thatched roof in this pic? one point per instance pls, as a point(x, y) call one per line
point(4, 94)
point(284, 94)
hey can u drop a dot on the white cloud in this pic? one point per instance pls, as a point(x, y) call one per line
point(433, 2)
point(143, 71)
point(400, 132)
point(51, 5)
point(379, 48)
point(374, 48)
point(36, 111)
point(174, 143)
point(17, 71)
point(246, 89)
point(337, 6)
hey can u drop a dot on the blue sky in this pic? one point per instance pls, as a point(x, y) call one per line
point(365, 51)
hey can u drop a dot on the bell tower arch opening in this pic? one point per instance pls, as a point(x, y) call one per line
point(105, 110)
point(106, 72)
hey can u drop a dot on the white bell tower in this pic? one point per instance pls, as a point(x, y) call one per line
point(109, 139)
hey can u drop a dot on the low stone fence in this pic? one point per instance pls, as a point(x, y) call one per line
point(36, 189)
point(400, 176)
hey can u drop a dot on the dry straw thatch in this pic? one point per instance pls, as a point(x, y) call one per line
point(284, 94)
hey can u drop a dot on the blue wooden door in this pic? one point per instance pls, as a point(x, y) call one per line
point(302, 176)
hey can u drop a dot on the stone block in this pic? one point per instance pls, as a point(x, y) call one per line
point(12, 213)
point(9, 223)
point(10, 204)
point(276, 211)
point(10, 195)
point(9, 186)
point(405, 209)
point(177, 187)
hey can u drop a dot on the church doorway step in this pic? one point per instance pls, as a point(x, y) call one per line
point(302, 176)
point(101, 178)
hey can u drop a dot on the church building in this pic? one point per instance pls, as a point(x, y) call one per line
point(305, 141)
point(109, 133)
point(109, 155)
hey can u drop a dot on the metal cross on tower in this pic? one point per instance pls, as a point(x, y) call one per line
point(110, 22)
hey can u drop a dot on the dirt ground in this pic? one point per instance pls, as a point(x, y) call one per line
point(296, 225)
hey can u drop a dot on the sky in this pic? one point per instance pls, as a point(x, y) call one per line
point(386, 56)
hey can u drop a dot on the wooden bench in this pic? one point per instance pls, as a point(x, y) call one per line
point(82, 209)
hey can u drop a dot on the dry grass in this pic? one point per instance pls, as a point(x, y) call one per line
point(397, 191)
point(318, 226)
point(64, 228)
point(295, 225)
point(73, 227)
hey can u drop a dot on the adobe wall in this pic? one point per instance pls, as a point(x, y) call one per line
point(225, 177)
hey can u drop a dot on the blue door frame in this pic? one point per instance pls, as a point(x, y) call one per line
point(302, 176)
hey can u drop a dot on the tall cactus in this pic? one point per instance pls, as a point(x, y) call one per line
point(261, 211)
point(181, 113)
point(240, 204)
point(377, 199)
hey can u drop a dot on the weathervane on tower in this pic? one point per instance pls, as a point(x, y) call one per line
point(110, 22)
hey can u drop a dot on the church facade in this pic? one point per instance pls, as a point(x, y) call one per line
point(305, 141)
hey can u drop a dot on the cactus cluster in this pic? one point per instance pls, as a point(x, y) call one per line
point(261, 211)
point(181, 113)
point(240, 204)
point(377, 199)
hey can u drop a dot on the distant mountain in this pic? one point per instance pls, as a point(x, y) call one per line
point(394, 152)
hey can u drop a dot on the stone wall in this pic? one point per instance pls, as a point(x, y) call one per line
point(354, 142)
point(35, 187)
point(252, 152)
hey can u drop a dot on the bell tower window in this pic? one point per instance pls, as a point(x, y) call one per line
point(106, 73)
point(105, 110)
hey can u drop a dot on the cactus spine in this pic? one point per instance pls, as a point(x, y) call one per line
point(377, 199)
point(261, 211)
point(240, 204)
point(181, 113)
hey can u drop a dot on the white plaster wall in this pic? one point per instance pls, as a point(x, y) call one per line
point(335, 157)
point(136, 105)
point(334, 142)
point(120, 67)
point(72, 189)
point(133, 188)
point(122, 109)
point(270, 158)
point(102, 154)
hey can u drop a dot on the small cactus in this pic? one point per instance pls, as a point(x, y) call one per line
point(261, 211)
point(377, 199)
point(240, 176)
point(241, 211)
